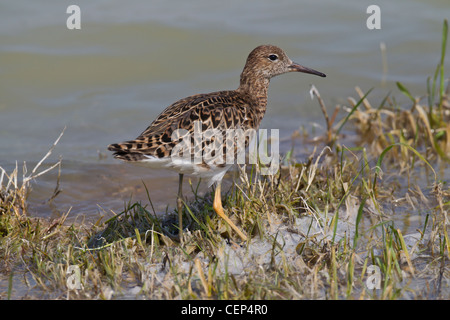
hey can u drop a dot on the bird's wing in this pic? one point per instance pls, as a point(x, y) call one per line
point(220, 110)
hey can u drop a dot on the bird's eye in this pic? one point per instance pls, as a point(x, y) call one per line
point(273, 57)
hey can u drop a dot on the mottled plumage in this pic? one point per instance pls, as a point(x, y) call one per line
point(242, 108)
point(220, 110)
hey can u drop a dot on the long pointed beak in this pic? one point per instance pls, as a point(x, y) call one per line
point(295, 67)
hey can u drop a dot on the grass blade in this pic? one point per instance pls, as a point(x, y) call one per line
point(352, 111)
point(383, 154)
point(444, 45)
point(358, 219)
point(405, 91)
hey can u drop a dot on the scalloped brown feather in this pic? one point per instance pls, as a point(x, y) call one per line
point(242, 108)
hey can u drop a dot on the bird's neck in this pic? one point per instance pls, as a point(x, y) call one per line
point(256, 88)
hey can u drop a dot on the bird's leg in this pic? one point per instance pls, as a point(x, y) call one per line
point(217, 206)
point(180, 206)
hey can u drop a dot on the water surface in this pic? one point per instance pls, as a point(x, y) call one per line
point(109, 80)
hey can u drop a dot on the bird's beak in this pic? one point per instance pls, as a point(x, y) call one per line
point(295, 67)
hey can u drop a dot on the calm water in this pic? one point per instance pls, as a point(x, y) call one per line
point(109, 80)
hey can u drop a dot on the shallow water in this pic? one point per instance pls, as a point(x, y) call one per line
point(109, 80)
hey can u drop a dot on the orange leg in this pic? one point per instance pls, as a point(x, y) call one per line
point(180, 206)
point(217, 206)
